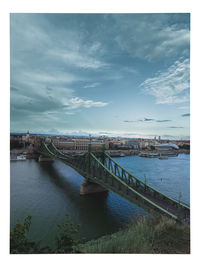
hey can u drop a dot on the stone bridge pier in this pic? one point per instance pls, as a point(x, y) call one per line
point(45, 159)
point(91, 188)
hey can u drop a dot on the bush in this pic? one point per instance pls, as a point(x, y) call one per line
point(65, 239)
point(20, 244)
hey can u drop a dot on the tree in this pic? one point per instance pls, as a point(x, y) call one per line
point(65, 240)
point(19, 242)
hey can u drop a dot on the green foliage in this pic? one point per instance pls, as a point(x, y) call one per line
point(65, 240)
point(19, 242)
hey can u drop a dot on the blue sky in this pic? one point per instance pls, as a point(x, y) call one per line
point(115, 74)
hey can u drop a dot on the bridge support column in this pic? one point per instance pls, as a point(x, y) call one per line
point(44, 159)
point(91, 188)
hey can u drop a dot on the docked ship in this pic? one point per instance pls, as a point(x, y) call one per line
point(19, 157)
point(116, 154)
point(148, 155)
point(163, 157)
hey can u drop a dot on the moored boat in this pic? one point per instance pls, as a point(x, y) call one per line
point(163, 157)
point(19, 157)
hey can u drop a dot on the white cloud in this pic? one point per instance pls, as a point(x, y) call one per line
point(130, 70)
point(171, 86)
point(51, 77)
point(91, 85)
point(95, 47)
point(184, 107)
point(151, 37)
point(77, 102)
point(78, 59)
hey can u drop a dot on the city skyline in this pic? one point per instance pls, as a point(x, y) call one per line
point(107, 74)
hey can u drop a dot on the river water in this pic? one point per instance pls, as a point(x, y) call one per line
point(48, 191)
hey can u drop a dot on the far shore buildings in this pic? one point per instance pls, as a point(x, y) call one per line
point(81, 143)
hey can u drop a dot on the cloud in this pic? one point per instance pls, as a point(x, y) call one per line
point(14, 89)
point(77, 102)
point(35, 104)
point(185, 115)
point(168, 136)
point(130, 70)
point(44, 65)
point(53, 131)
point(153, 36)
point(171, 86)
point(77, 59)
point(58, 43)
point(163, 120)
point(91, 85)
point(175, 127)
point(104, 133)
point(184, 107)
point(146, 119)
point(49, 77)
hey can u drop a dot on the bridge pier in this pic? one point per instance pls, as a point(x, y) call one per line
point(44, 159)
point(91, 188)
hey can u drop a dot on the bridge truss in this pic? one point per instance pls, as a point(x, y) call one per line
point(98, 167)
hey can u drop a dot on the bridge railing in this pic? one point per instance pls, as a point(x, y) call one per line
point(78, 162)
point(54, 149)
point(97, 168)
point(130, 179)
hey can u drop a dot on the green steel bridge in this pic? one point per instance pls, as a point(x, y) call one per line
point(98, 167)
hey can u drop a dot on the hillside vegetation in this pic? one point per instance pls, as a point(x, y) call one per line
point(146, 235)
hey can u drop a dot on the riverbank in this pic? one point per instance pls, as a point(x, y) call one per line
point(31, 154)
point(144, 236)
point(137, 152)
point(131, 152)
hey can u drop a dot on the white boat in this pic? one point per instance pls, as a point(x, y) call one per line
point(148, 155)
point(143, 154)
point(116, 154)
point(21, 157)
point(153, 155)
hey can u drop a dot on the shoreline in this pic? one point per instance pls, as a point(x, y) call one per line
point(31, 154)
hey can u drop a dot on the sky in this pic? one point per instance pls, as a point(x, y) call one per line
point(101, 74)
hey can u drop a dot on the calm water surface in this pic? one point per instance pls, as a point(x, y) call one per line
point(47, 191)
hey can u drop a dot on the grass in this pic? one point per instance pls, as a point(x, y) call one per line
point(146, 235)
